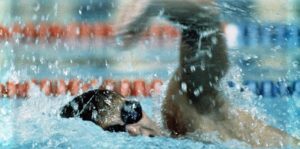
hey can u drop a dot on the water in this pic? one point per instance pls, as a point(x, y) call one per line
point(35, 123)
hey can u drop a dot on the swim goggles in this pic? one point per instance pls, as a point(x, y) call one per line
point(131, 112)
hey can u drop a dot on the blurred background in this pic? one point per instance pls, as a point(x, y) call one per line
point(65, 47)
point(72, 38)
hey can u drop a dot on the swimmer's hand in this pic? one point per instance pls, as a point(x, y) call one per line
point(132, 18)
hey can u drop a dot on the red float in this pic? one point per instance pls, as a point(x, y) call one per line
point(4, 33)
point(17, 30)
point(94, 82)
point(71, 31)
point(42, 32)
point(89, 85)
point(45, 86)
point(29, 31)
point(74, 87)
point(123, 87)
point(2, 90)
point(59, 87)
point(86, 86)
point(156, 86)
point(35, 82)
point(22, 89)
point(55, 31)
point(108, 84)
point(102, 30)
point(85, 31)
point(138, 88)
point(11, 89)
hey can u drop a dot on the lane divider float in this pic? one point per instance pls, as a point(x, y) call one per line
point(52, 31)
point(74, 87)
point(138, 87)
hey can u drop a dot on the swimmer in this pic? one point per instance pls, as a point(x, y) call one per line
point(193, 102)
point(112, 112)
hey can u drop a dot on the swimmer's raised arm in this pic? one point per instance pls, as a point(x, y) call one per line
point(203, 57)
point(194, 101)
point(132, 17)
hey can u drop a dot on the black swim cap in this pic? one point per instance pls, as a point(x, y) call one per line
point(131, 112)
point(88, 104)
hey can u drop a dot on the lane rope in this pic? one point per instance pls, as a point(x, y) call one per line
point(44, 32)
point(138, 87)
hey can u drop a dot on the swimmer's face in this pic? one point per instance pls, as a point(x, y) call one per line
point(122, 115)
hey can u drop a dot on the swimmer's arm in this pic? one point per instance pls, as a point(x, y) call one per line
point(133, 17)
point(257, 133)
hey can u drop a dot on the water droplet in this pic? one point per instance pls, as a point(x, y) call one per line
point(202, 65)
point(214, 40)
point(196, 92)
point(193, 68)
point(106, 64)
point(42, 60)
point(108, 102)
point(94, 115)
point(183, 86)
point(295, 64)
point(37, 7)
point(209, 53)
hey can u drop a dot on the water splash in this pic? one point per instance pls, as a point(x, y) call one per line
point(35, 124)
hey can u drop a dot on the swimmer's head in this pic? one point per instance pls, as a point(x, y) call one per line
point(109, 110)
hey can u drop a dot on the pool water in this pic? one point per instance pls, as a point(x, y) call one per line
point(35, 123)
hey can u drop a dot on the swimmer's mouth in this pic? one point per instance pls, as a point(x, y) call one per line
point(131, 112)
